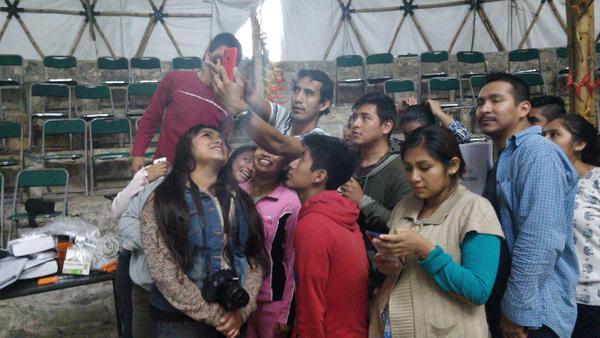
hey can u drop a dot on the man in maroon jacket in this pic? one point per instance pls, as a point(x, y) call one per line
point(331, 261)
point(182, 100)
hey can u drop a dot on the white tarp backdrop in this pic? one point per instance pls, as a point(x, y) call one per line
point(295, 30)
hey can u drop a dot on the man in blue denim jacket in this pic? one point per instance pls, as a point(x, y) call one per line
point(535, 188)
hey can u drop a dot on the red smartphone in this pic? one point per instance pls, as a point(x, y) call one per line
point(229, 61)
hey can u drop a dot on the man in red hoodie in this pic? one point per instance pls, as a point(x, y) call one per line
point(331, 261)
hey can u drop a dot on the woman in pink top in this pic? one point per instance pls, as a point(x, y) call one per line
point(278, 207)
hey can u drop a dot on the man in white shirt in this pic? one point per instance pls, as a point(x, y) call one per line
point(271, 126)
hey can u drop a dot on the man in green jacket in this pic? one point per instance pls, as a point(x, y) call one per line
point(378, 183)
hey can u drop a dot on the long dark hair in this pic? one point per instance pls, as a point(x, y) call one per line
point(583, 131)
point(172, 214)
point(439, 143)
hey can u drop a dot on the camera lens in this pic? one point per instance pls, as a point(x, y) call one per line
point(236, 296)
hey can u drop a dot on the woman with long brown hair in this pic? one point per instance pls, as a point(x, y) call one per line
point(203, 240)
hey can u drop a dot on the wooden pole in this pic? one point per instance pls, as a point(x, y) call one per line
point(582, 54)
point(460, 28)
point(490, 29)
point(396, 33)
point(361, 43)
point(333, 37)
point(164, 24)
point(536, 16)
point(257, 56)
point(77, 38)
point(421, 32)
point(30, 37)
point(557, 15)
point(110, 50)
point(4, 26)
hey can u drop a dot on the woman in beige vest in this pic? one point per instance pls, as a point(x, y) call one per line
point(441, 255)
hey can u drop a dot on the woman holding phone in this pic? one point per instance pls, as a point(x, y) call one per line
point(203, 240)
point(579, 140)
point(441, 255)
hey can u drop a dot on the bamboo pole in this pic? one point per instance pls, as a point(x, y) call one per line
point(77, 38)
point(421, 6)
point(172, 38)
point(490, 29)
point(421, 32)
point(557, 15)
point(110, 50)
point(358, 36)
point(3, 29)
point(30, 37)
point(396, 33)
point(259, 83)
point(535, 18)
point(460, 28)
point(333, 38)
point(115, 13)
point(582, 55)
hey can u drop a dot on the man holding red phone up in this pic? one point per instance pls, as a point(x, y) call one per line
point(184, 99)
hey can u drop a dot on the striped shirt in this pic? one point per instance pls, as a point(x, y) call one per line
point(536, 187)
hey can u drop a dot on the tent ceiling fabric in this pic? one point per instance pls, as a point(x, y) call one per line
point(309, 27)
point(55, 33)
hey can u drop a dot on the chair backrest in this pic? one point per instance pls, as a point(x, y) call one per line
point(138, 90)
point(50, 90)
point(60, 61)
point(9, 130)
point(528, 59)
point(433, 62)
point(534, 80)
point(470, 62)
point(93, 93)
point(380, 58)
point(475, 84)
point(50, 177)
point(58, 127)
point(448, 89)
point(109, 127)
point(145, 69)
point(187, 62)
point(112, 70)
point(11, 66)
point(112, 63)
point(60, 67)
point(345, 61)
point(398, 86)
point(434, 57)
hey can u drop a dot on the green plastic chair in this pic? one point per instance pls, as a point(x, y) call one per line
point(114, 130)
point(349, 71)
point(87, 94)
point(45, 178)
point(562, 67)
point(68, 128)
point(11, 130)
point(187, 63)
point(437, 61)
point(143, 70)
point(112, 71)
point(46, 91)
point(137, 91)
point(11, 77)
point(470, 63)
point(61, 69)
point(475, 84)
point(451, 89)
point(533, 80)
point(2, 245)
point(524, 57)
point(398, 86)
point(379, 68)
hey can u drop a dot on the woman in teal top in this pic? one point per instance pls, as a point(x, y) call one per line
point(443, 248)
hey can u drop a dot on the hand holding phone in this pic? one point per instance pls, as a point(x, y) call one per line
point(372, 234)
point(229, 61)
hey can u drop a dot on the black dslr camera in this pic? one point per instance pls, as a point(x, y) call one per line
point(224, 287)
